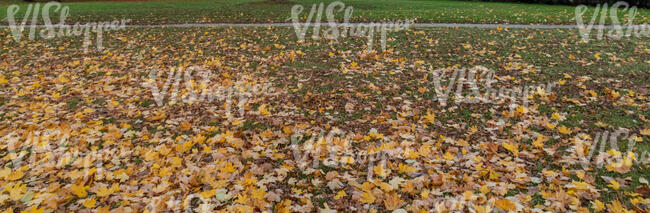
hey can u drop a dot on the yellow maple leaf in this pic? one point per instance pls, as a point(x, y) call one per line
point(258, 194)
point(208, 194)
point(645, 132)
point(104, 209)
point(473, 130)
point(367, 186)
point(580, 174)
point(347, 160)
point(267, 134)
point(367, 197)
point(263, 111)
point(521, 110)
point(4, 173)
point(283, 207)
point(380, 170)
point(242, 198)
point(598, 206)
point(384, 186)
point(581, 185)
point(61, 79)
point(90, 110)
point(165, 171)
point(79, 190)
point(16, 191)
point(506, 204)
point(613, 95)
point(3, 79)
point(103, 192)
point(614, 184)
point(468, 195)
point(15, 175)
point(601, 124)
point(430, 117)
point(482, 209)
point(114, 103)
point(340, 194)
point(424, 194)
point(405, 168)
point(287, 130)
point(514, 148)
point(151, 155)
point(425, 150)
point(539, 142)
point(564, 130)
point(90, 203)
point(410, 154)
point(616, 206)
point(448, 156)
point(484, 189)
point(550, 126)
point(556, 116)
point(228, 168)
point(34, 210)
point(591, 93)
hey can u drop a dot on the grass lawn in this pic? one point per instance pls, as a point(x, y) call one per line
point(383, 100)
point(250, 11)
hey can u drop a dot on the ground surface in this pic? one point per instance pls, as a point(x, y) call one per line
point(83, 130)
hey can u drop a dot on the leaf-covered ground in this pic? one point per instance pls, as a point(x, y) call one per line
point(335, 128)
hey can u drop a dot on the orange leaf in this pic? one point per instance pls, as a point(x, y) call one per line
point(506, 204)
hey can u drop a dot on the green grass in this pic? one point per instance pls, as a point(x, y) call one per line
point(257, 11)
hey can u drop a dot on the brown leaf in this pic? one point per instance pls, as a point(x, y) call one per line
point(392, 201)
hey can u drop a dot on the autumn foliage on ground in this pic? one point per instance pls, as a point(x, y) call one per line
point(334, 127)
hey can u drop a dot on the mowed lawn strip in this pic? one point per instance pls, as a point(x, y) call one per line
point(252, 11)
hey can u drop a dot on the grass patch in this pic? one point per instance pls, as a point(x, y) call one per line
point(255, 11)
